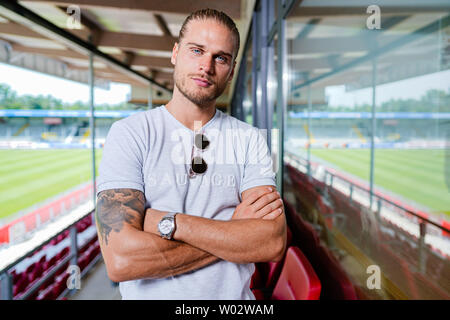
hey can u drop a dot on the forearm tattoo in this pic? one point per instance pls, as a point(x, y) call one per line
point(116, 207)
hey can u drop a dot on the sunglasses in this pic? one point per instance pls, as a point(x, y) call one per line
point(198, 165)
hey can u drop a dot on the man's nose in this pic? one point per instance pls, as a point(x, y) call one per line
point(207, 64)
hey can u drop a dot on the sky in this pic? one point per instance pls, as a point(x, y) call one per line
point(25, 81)
point(412, 88)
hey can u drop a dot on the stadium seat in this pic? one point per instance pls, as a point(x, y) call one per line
point(297, 281)
point(32, 296)
point(60, 285)
point(30, 268)
point(267, 273)
point(35, 274)
point(270, 272)
point(259, 294)
point(83, 260)
point(16, 276)
point(306, 237)
point(256, 281)
point(63, 269)
point(46, 294)
point(50, 263)
point(335, 283)
point(428, 289)
point(20, 286)
point(60, 238)
point(48, 282)
point(398, 271)
point(61, 255)
point(43, 259)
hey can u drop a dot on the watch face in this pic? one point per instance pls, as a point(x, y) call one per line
point(165, 226)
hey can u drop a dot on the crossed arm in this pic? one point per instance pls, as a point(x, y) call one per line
point(132, 248)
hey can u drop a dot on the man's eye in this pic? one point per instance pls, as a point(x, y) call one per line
point(221, 59)
point(196, 51)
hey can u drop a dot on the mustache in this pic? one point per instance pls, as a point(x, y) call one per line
point(202, 77)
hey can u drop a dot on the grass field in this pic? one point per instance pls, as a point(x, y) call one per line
point(414, 174)
point(31, 176)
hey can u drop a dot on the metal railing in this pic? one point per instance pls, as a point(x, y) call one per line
point(6, 281)
point(412, 249)
point(381, 202)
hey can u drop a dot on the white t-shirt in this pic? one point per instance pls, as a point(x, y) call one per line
point(151, 151)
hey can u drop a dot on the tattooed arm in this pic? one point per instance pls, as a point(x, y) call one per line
point(256, 233)
point(129, 252)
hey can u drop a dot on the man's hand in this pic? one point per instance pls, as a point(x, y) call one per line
point(262, 203)
point(129, 252)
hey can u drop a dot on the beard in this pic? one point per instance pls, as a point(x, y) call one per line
point(201, 97)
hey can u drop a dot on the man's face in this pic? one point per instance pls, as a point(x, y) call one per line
point(204, 61)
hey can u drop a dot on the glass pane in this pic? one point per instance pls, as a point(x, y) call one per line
point(46, 145)
point(412, 103)
point(341, 68)
point(272, 87)
point(248, 99)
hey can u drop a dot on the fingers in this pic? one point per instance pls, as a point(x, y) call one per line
point(265, 200)
point(255, 196)
point(278, 203)
point(274, 214)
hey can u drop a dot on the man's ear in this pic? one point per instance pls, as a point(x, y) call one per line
point(173, 59)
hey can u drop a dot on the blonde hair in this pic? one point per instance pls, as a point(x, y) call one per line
point(218, 16)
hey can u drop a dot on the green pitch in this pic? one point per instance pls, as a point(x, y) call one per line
point(28, 177)
point(418, 175)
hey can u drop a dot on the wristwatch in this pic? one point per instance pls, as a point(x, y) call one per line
point(166, 226)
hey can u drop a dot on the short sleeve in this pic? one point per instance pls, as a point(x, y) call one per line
point(258, 169)
point(122, 160)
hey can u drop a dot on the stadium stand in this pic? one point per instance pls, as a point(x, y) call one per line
point(392, 247)
point(335, 282)
point(297, 281)
point(42, 275)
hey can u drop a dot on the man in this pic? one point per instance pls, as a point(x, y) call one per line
point(175, 219)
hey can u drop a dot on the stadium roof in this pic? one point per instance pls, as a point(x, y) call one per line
point(132, 40)
point(138, 34)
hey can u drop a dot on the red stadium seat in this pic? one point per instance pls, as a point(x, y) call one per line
point(43, 259)
point(288, 237)
point(16, 277)
point(59, 238)
point(47, 283)
point(30, 268)
point(60, 255)
point(35, 274)
point(297, 281)
point(60, 286)
point(267, 273)
point(62, 269)
point(46, 294)
point(83, 260)
point(259, 294)
point(256, 281)
point(50, 263)
point(398, 271)
point(20, 286)
point(335, 283)
point(270, 272)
